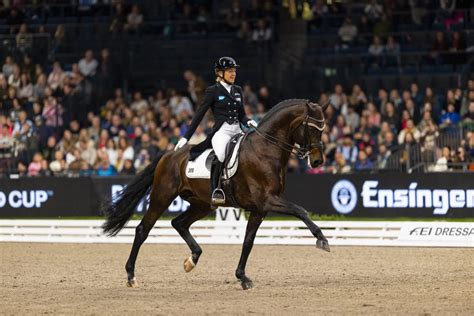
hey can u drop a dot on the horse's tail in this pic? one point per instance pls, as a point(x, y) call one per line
point(119, 210)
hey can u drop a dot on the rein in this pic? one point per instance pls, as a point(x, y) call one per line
point(301, 151)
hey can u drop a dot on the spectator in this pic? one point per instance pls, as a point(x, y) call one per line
point(88, 65)
point(26, 88)
point(363, 163)
point(348, 150)
point(14, 80)
point(337, 98)
point(196, 86)
point(24, 40)
point(134, 20)
point(376, 50)
point(262, 33)
point(58, 165)
point(411, 129)
point(450, 118)
point(36, 166)
point(469, 116)
point(358, 98)
point(119, 19)
point(105, 168)
point(374, 11)
point(383, 156)
point(347, 33)
point(392, 53)
point(443, 163)
point(7, 67)
point(439, 47)
point(139, 104)
point(250, 97)
point(128, 168)
point(56, 77)
point(340, 165)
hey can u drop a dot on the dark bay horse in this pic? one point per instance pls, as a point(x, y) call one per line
point(292, 125)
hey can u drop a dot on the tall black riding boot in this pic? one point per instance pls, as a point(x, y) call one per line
point(217, 195)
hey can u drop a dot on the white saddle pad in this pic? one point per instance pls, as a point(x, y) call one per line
point(201, 166)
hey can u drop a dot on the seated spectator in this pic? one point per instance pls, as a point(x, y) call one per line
point(443, 163)
point(8, 66)
point(179, 104)
point(347, 34)
point(128, 168)
point(469, 116)
point(340, 165)
point(58, 165)
point(139, 104)
point(118, 19)
point(56, 77)
point(376, 50)
point(36, 166)
point(40, 87)
point(134, 20)
point(391, 117)
point(410, 128)
point(392, 53)
point(26, 88)
point(363, 162)
point(383, 156)
point(438, 49)
point(357, 99)
point(348, 150)
point(262, 32)
point(374, 11)
point(88, 65)
point(14, 80)
point(450, 118)
point(105, 168)
point(352, 118)
point(337, 98)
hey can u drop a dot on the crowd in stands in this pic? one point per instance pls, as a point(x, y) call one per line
point(55, 125)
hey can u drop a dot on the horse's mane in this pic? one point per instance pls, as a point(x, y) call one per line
point(281, 106)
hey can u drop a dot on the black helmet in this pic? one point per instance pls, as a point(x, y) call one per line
point(224, 63)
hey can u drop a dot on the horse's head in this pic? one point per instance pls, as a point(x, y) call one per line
point(307, 135)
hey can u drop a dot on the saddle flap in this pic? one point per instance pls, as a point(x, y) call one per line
point(200, 168)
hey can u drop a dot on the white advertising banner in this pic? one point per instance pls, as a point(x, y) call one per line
point(439, 233)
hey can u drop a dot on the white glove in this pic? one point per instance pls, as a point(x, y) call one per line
point(180, 143)
point(252, 123)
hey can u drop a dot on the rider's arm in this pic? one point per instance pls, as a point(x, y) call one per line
point(242, 117)
point(201, 111)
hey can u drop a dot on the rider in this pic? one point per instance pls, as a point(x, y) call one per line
point(226, 102)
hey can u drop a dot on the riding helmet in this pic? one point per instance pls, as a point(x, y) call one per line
point(224, 63)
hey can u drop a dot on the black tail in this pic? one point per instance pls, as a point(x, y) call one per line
point(118, 212)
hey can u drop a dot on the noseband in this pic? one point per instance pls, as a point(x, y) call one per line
point(301, 151)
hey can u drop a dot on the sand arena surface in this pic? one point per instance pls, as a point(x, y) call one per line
point(90, 279)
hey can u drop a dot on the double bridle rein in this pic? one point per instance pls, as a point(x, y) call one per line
point(301, 151)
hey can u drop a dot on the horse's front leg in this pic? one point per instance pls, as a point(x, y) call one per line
point(282, 206)
point(255, 219)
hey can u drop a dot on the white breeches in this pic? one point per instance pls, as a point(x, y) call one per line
point(222, 137)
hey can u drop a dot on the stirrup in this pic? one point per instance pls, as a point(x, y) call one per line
point(218, 197)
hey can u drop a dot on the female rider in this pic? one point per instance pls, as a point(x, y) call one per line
point(226, 102)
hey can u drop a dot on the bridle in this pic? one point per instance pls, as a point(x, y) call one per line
point(302, 151)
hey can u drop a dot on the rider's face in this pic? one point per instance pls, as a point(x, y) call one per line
point(230, 74)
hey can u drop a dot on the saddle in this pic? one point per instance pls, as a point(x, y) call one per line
point(200, 168)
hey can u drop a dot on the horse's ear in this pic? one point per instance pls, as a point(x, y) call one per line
point(325, 106)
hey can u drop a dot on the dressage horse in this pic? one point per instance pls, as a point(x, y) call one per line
point(291, 126)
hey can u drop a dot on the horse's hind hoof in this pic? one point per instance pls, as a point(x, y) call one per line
point(189, 264)
point(132, 282)
point(323, 244)
point(247, 285)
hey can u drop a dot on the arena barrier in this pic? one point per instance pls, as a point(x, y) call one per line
point(347, 233)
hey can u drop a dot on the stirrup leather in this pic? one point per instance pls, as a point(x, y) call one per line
point(218, 197)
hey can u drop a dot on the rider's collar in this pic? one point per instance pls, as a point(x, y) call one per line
point(225, 85)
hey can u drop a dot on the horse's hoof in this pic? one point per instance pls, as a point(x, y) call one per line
point(323, 244)
point(189, 264)
point(132, 282)
point(247, 285)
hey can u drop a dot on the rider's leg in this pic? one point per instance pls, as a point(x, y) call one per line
point(219, 144)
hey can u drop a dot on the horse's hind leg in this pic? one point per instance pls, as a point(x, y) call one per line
point(195, 212)
point(158, 204)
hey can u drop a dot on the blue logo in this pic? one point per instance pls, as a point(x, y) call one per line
point(344, 196)
point(221, 97)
